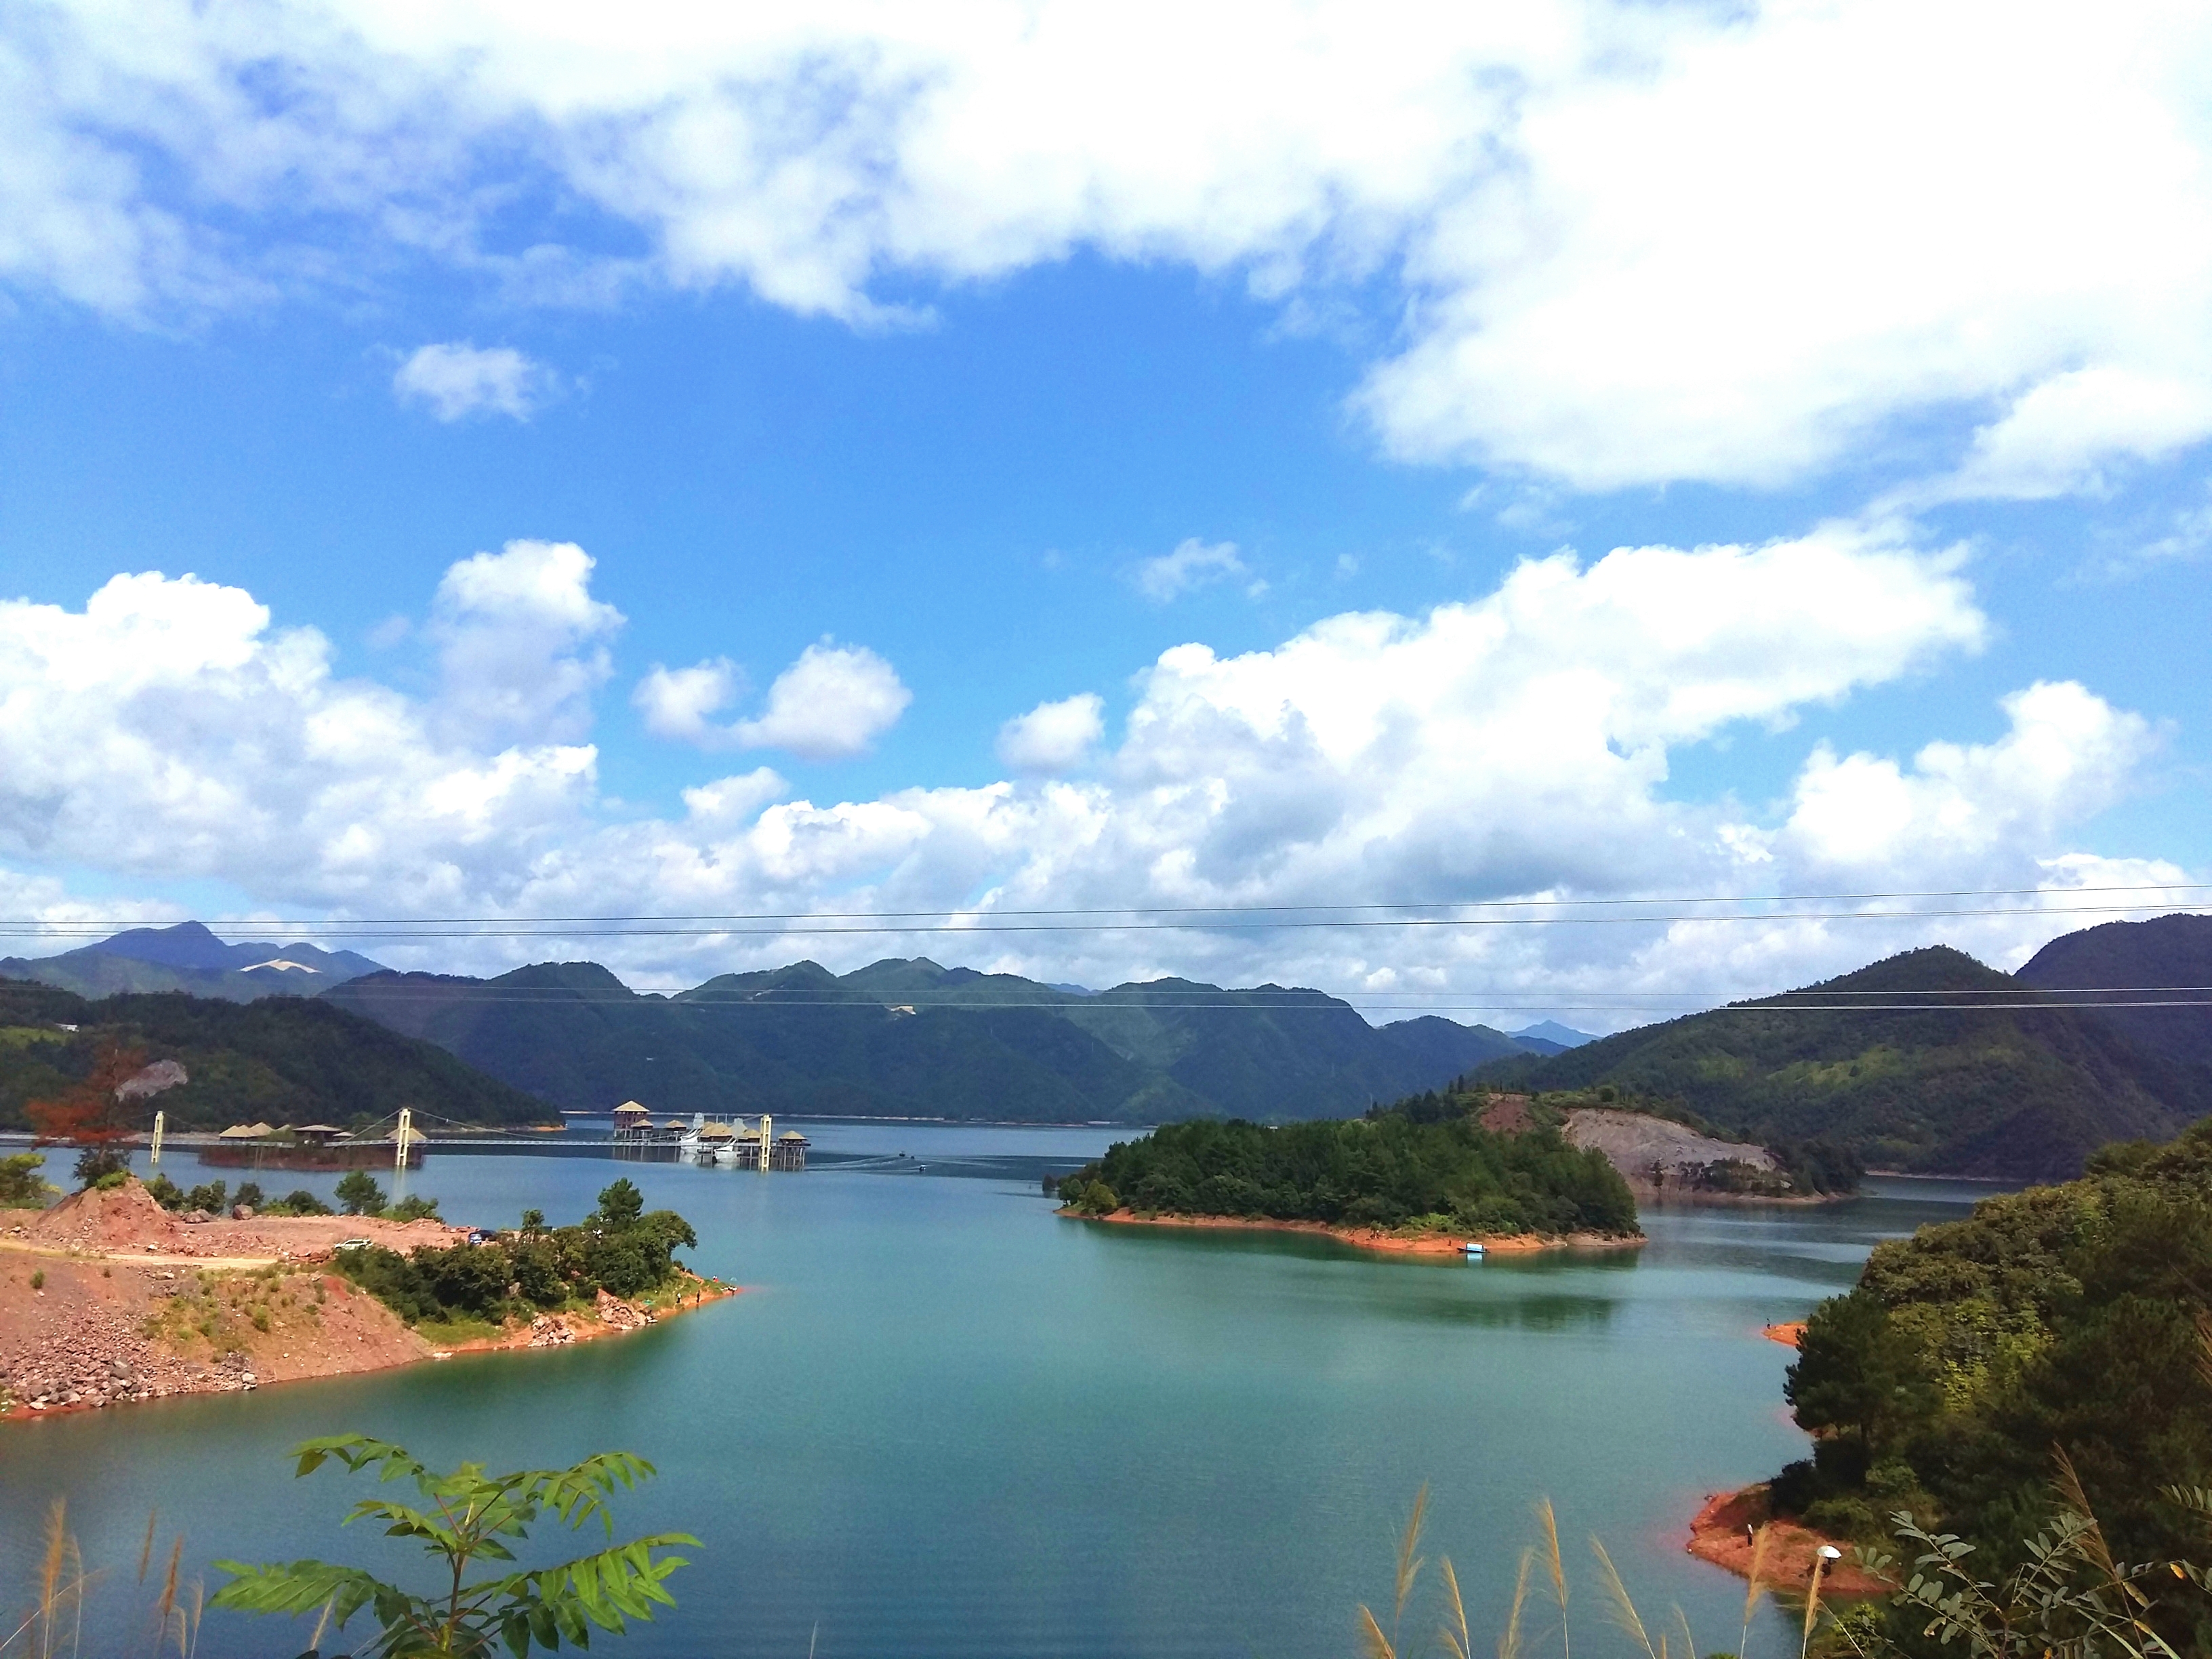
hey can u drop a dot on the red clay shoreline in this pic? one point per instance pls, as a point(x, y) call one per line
point(105, 1299)
point(1375, 1238)
point(1721, 1535)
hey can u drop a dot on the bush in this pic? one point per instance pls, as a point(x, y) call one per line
point(94, 1165)
point(21, 1187)
point(413, 1207)
point(299, 1201)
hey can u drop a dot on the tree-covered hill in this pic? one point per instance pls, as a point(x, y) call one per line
point(2008, 1087)
point(910, 1038)
point(2171, 957)
point(2069, 1317)
point(1394, 1168)
point(285, 1058)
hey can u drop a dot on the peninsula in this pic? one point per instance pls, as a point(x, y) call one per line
point(107, 1298)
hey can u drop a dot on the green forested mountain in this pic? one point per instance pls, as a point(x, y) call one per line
point(1392, 1167)
point(2067, 1318)
point(286, 1059)
point(910, 1038)
point(2154, 979)
point(2011, 1087)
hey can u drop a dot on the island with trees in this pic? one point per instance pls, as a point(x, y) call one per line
point(1424, 1175)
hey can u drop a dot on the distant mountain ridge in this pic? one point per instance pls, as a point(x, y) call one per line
point(188, 957)
point(2005, 1085)
point(278, 1059)
point(908, 1038)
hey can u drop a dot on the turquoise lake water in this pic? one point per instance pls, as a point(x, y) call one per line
point(942, 1421)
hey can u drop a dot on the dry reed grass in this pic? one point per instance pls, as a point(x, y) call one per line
point(1546, 1557)
point(53, 1628)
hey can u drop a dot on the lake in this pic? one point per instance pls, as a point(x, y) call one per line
point(942, 1421)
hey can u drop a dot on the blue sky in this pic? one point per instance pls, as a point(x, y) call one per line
point(516, 360)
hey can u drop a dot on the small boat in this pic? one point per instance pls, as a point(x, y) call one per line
point(1473, 1246)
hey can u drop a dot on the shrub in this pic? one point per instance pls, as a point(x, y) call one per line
point(20, 1187)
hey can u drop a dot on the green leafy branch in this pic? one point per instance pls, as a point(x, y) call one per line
point(466, 1518)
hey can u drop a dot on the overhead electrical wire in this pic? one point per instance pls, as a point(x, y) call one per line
point(955, 919)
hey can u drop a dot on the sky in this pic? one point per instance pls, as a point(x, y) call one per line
point(502, 462)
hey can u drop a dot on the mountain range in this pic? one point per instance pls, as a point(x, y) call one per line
point(1929, 1061)
point(188, 957)
point(908, 1038)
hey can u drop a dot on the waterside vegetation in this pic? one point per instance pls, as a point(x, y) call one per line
point(620, 1249)
point(1409, 1167)
point(2076, 1317)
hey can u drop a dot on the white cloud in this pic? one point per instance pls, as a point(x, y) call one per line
point(1193, 563)
point(1054, 737)
point(457, 378)
point(832, 703)
point(835, 701)
point(1517, 744)
point(678, 702)
point(2066, 756)
point(1626, 244)
point(521, 640)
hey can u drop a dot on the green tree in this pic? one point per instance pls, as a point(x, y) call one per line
point(1857, 1374)
point(622, 1203)
point(359, 1195)
point(468, 1518)
point(20, 1189)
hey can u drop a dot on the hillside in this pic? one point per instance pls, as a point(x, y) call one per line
point(906, 1038)
point(285, 1058)
point(2022, 1092)
point(2067, 1316)
point(2173, 953)
point(188, 957)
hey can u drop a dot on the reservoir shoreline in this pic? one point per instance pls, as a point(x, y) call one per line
point(1374, 1238)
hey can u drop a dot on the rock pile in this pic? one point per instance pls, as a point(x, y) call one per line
point(99, 1359)
point(547, 1331)
point(623, 1315)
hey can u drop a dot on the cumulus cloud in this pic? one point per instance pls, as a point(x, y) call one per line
point(521, 640)
point(2066, 755)
point(1514, 746)
point(1614, 244)
point(1193, 563)
point(678, 702)
point(1053, 737)
point(457, 378)
point(834, 703)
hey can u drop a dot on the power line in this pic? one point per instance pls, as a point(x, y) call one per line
point(1326, 915)
point(542, 930)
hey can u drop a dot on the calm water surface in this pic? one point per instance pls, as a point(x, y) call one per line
point(942, 1421)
